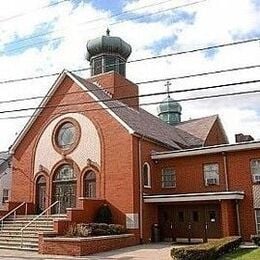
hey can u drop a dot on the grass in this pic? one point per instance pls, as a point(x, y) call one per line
point(243, 254)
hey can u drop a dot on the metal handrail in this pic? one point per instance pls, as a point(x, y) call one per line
point(13, 211)
point(35, 218)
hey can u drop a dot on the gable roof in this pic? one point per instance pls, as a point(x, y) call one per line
point(138, 122)
point(4, 157)
point(199, 127)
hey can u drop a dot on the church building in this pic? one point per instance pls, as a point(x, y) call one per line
point(89, 143)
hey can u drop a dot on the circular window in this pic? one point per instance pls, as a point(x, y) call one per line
point(66, 135)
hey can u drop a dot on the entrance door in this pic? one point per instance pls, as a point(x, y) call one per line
point(189, 221)
point(213, 221)
point(166, 221)
point(64, 189)
point(40, 194)
point(65, 193)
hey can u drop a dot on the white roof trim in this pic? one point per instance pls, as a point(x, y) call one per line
point(207, 150)
point(37, 111)
point(129, 129)
point(56, 84)
point(188, 197)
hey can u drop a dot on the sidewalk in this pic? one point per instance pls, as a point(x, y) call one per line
point(147, 251)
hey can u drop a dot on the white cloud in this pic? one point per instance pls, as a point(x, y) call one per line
point(215, 21)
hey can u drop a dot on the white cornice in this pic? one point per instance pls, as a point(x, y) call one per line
point(206, 196)
point(207, 150)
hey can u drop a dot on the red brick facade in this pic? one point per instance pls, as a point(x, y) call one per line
point(119, 177)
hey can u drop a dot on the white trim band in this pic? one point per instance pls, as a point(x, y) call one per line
point(222, 195)
point(207, 150)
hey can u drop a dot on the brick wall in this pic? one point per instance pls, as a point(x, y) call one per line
point(84, 246)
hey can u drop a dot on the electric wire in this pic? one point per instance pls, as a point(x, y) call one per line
point(94, 20)
point(30, 11)
point(142, 104)
point(131, 97)
point(222, 45)
point(137, 83)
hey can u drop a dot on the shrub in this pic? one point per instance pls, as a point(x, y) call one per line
point(210, 250)
point(104, 215)
point(95, 229)
point(256, 239)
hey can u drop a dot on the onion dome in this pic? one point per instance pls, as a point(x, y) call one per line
point(107, 53)
point(169, 111)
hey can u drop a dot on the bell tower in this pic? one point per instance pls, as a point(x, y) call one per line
point(108, 53)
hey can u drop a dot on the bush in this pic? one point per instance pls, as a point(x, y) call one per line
point(211, 250)
point(256, 239)
point(104, 215)
point(95, 229)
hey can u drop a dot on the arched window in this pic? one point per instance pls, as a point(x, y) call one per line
point(146, 176)
point(40, 194)
point(90, 184)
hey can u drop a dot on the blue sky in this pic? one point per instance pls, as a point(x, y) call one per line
point(36, 39)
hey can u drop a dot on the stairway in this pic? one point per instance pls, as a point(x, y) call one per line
point(10, 235)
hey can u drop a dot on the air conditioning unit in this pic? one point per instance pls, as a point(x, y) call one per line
point(212, 181)
point(256, 177)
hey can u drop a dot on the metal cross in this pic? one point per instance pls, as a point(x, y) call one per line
point(168, 84)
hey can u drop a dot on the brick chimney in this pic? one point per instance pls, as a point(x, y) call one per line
point(118, 87)
point(243, 138)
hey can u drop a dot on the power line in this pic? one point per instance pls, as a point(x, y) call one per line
point(142, 104)
point(142, 83)
point(228, 44)
point(30, 11)
point(92, 20)
point(95, 20)
point(131, 97)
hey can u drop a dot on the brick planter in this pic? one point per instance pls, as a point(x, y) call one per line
point(80, 246)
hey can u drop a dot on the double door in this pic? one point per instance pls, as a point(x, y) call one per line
point(65, 193)
point(193, 221)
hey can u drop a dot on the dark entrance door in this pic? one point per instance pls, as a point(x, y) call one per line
point(64, 189)
point(166, 221)
point(65, 193)
point(40, 194)
point(191, 221)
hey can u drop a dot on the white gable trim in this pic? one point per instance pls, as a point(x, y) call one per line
point(52, 90)
point(129, 129)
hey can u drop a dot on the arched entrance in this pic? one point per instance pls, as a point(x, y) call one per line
point(64, 188)
point(90, 184)
point(40, 194)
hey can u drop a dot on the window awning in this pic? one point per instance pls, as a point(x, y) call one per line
point(187, 197)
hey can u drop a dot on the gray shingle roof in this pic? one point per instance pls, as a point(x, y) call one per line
point(146, 124)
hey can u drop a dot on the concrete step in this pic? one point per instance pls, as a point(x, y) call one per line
point(18, 239)
point(19, 226)
point(18, 244)
point(28, 229)
point(24, 248)
point(46, 220)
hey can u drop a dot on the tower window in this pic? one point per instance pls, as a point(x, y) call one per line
point(97, 65)
point(110, 64)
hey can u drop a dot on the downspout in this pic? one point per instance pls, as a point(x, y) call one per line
point(225, 170)
point(140, 188)
point(238, 218)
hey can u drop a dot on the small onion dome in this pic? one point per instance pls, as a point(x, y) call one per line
point(170, 111)
point(108, 45)
point(169, 105)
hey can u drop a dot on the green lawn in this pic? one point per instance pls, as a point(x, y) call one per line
point(243, 254)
